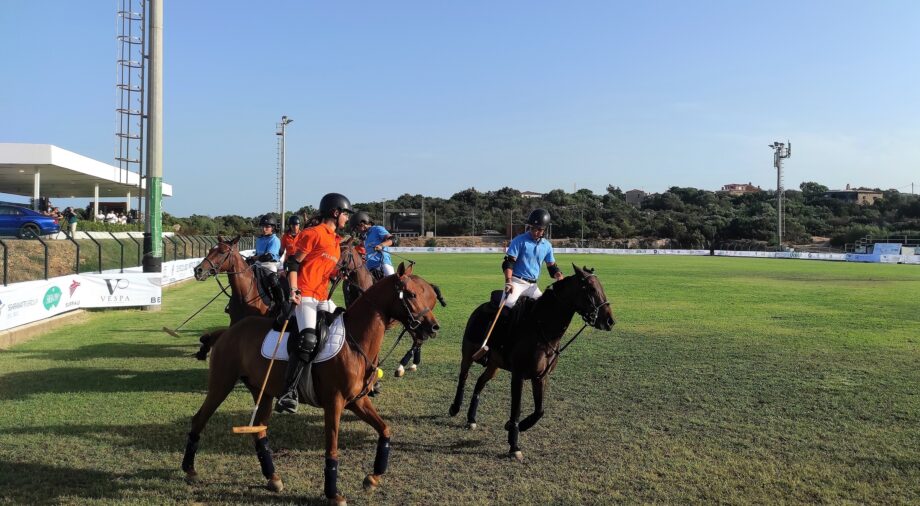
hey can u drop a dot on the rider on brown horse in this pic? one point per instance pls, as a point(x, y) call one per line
point(309, 273)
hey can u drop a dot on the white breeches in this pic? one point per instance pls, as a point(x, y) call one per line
point(520, 289)
point(305, 312)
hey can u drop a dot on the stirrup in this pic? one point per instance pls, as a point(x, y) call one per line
point(287, 403)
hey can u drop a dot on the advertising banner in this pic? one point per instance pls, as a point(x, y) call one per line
point(121, 290)
point(23, 303)
point(884, 248)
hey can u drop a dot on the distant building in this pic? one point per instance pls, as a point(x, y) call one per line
point(739, 189)
point(861, 196)
point(531, 195)
point(635, 197)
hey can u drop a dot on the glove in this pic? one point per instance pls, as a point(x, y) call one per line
point(508, 287)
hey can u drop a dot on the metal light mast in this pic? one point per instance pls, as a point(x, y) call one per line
point(285, 121)
point(780, 152)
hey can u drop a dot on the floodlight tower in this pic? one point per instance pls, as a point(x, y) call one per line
point(780, 152)
point(280, 132)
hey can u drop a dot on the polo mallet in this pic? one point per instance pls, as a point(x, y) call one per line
point(252, 429)
point(175, 333)
point(484, 348)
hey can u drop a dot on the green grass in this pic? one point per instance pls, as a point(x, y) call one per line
point(725, 380)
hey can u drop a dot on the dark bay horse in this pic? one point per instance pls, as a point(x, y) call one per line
point(529, 348)
point(341, 382)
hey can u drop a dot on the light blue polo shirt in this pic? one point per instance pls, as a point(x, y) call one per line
point(375, 236)
point(529, 255)
point(269, 244)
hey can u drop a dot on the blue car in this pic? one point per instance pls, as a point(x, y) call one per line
point(26, 223)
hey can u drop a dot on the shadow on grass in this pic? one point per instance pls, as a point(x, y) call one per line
point(29, 483)
point(75, 380)
point(117, 350)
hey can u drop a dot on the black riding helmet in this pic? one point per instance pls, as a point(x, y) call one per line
point(293, 220)
point(358, 218)
point(332, 202)
point(268, 220)
point(538, 218)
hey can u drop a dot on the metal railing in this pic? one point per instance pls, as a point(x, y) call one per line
point(38, 258)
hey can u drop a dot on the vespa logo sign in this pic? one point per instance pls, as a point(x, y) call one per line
point(116, 287)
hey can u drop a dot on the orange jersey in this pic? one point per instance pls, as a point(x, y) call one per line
point(288, 242)
point(321, 246)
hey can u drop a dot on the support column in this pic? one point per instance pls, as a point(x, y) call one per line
point(128, 204)
point(36, 191)
point(153, 231)
point(96, 202)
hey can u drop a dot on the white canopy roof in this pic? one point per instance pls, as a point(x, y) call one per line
point(63, 174)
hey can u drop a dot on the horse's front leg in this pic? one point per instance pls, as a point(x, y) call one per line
point(367, 412)
point(484, 378)
point(331, 415)
point(539, 390)
point(517, 384)
point(465, 363)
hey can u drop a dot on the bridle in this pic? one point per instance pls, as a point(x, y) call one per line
point(413, 320)
point(590, 317)
point(214, 268)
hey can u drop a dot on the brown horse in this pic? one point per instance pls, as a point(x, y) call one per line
point(245, 299)
point(341, 382)
point(529, 348)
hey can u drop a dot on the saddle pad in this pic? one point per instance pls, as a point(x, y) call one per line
point(335, 338)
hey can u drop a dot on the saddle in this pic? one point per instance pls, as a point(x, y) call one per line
point(273, 289)
point(507, 327)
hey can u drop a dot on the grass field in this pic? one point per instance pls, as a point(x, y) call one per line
point(725, 380)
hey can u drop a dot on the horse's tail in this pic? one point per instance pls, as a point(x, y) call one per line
point(207, 341)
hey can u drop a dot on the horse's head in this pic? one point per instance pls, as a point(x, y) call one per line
point(414, 304)
point(586, 293)
point(219, 258)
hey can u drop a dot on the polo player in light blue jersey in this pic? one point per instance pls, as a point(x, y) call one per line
point(526, 253)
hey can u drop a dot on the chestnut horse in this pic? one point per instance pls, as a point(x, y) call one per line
point(225, 257)
point(341, 382)
point(529, 348)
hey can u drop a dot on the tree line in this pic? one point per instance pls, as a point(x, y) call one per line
point(686, 217)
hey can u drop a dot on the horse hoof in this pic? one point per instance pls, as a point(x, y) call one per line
point(471, 426)
point(191, 477)
point(338, 500)
point(413, 367)
point(518, 456)
point(400, 372)
point(453, 410)
point(371, 482)
point(275, 485)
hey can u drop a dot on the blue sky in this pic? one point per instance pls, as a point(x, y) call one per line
point(435, 97)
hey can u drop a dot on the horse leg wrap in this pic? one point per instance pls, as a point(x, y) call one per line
point(416, 355)
point(265, 457)
point(191, 448)
point(513, 432)
point(406, 358)
point(332, 477)
point(474, 406)
point(383, 456)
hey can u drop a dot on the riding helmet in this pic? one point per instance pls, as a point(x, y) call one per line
point(334, 202)
point(268, 220)
point(294, 220)
point(538, 218)
point(359, 218)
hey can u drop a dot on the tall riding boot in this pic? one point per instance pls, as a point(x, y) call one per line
point(300, 351)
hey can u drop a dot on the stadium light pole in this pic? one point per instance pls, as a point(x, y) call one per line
point(780, 152)
point(285, 121)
